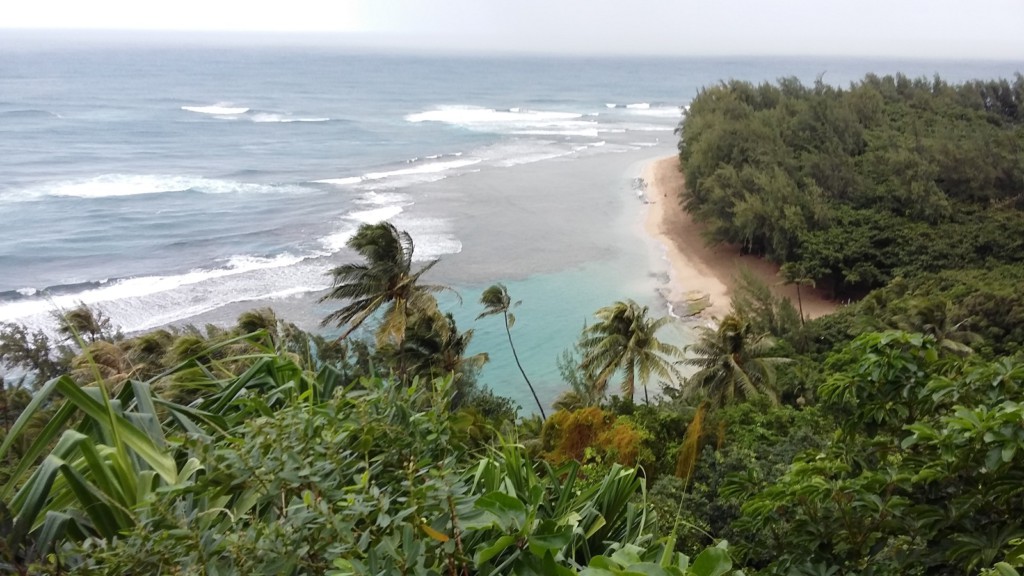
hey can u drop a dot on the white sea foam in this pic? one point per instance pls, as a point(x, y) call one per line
point(348, 181)
point(512, 120)
point(220, 108)
point(425, 168)
point(659, 112)
point(434, 237)
point(147, 312)
point(266, 117)
point(587, 133)
point(110, 185)
point(382, 198)
point(638, 106)
point(531, 158)
point(142, 286)
point(469, 115)
point(336, 241)
point(647, 127)
point(375, 215)
point(417, 172)
point(121, 185)
point(514, 152)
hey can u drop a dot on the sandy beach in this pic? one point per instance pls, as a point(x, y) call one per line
point(697, 268)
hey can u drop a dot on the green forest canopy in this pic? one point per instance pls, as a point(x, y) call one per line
point(853, 187)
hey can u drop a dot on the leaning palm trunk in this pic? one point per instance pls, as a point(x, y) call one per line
point(515, 356)
point(497, 300)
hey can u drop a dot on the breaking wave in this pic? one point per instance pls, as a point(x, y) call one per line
point(111, 185)
point(218, 109)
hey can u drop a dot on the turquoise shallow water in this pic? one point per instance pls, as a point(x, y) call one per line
point(553, 311)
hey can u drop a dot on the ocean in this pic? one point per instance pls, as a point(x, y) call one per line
point(174, 184)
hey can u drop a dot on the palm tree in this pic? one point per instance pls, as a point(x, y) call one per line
point(434, 347)
point(263, 319)
point(149, 351)
point(624, 338)
point(937, 317)
point(102, 363)
point(497, 301)
point(386, 277)
point(85, 323)
point(732, 363)
point(797, 275)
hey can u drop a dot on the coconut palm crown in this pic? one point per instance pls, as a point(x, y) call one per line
point(624, 339)
point(732, 363)
point(385, 277)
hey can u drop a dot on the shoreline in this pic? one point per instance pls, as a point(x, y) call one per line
point(696, 270)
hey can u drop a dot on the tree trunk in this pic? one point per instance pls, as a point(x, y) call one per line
point(800, 303)
point(508, 331)
point(630, 384)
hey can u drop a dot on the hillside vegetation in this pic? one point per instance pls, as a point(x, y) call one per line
point(854, 187)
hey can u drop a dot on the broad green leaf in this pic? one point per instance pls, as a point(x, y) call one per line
point(1005, 569)
point(35, 494)
point(627, 555)
point(548, 538)
point(711, 562)
point(510, 512)
point(594, 571)
point(103, 518)
point(43, 440)
point(647, 569)
point(476, 519)
point(140, 443)
point(499, 546)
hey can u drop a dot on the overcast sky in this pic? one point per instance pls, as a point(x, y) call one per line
point(910, 28)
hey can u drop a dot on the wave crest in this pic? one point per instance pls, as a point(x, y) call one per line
point(417, 172)
point(133, 288)
point(113, 185)
point(508, 121)
point(220, 108)
point(269, 117)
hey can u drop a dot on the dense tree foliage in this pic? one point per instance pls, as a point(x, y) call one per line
point(283, 470)
point(854, 187)
point(924, 474)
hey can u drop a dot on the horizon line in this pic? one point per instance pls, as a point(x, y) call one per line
point(395, 44)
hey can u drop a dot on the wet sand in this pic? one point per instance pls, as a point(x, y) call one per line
point(697, 268)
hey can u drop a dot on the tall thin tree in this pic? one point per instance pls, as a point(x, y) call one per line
point(497, 301)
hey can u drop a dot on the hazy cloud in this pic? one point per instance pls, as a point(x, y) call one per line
point(914, 28)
